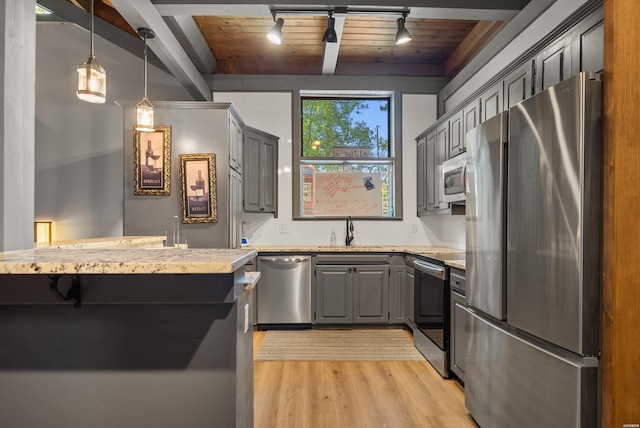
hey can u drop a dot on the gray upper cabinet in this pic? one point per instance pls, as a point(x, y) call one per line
point(235, 144)
point(553, 65)
point(456, 134)
point(588, 44)
point(260, 171)
point(421, 174)
point(491, 101)
point(518, 85)
point(471, 115)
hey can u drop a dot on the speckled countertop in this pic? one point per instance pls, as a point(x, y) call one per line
point(109, 242)
point(450, 256)
point(124, 260)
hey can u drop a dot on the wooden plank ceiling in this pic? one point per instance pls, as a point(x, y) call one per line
point(438, 47)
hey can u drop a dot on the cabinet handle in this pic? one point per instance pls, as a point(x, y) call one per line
point(261, 209)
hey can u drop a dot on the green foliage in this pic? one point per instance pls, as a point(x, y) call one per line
point(331, 123)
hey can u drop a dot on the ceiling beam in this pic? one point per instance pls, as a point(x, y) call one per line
point(142, 13)
point(456, 4)
point(330, 55)
point(493, 10)
point(190, 37)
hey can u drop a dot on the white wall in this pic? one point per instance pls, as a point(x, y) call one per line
point(78, 145)
point(271, 112)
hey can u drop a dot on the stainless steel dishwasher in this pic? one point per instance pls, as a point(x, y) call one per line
point(284, 292)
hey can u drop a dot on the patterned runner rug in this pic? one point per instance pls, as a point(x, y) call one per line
point(337, 345)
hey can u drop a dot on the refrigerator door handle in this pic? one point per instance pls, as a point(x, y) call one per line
point(464, 177)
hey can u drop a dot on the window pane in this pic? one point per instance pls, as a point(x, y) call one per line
point(362, 189)
point(346, 127)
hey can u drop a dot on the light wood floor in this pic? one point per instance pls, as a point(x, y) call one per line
point(394, 394)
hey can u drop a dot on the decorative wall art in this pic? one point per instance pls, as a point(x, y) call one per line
point(152, 161)
point(198, 184)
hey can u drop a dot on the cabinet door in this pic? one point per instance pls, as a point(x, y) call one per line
point(588, 44)
point(235, 144)
point(334, 295)
point(471, 116)
point(252, 179)
point(491, 102)
point(517, 85)
point(553, 65)
point(409, 292)
point(431, 165)
point(456, 135)
point(442, 154)
point(269, 151)
point(421, 175)
point(458, 340)
point(396, 294)
point(371, 293)
point(235, 208)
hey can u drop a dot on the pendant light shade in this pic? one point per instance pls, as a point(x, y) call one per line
point(275, 34)
point(92, 79)
point(402, 36)
point(144, 110)
point(330, 35)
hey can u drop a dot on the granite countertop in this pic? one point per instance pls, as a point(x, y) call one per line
point(450, 256)
point(152, 260)
point(108, 242)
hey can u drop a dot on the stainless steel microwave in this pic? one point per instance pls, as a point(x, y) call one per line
point(453, 171)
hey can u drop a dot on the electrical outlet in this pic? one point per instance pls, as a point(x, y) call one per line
point(283, 228)
point(414, 228)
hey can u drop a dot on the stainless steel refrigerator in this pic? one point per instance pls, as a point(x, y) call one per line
point(534, 215)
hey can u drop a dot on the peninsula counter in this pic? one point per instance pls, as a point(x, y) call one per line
point(144, 337)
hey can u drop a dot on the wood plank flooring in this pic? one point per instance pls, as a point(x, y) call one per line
point(395, 394)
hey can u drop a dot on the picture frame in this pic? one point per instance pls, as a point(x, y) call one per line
point(198, 188)
point(152, 161)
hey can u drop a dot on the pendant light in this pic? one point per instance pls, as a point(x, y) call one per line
point(92, 79)
point(402, 36)
point(144, 109)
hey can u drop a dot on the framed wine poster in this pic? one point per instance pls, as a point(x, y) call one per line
point(198, 188)
point(152, 161)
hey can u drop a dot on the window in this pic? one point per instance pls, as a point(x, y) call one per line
point(345, 160)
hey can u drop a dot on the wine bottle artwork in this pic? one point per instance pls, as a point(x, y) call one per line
point(197, 174)
point(152, 154)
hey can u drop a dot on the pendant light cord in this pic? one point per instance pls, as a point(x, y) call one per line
point(92, 55)
point(145, 67)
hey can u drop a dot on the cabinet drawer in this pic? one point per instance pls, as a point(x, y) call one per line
point(352, 259)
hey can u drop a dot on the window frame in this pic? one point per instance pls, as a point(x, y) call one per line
point(395, 149)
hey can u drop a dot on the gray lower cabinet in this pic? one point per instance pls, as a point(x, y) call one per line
point(397, 276)
point(348, 294)
point(458, 319)
point(409, 292)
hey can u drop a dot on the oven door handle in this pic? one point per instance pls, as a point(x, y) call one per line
point(431, 269)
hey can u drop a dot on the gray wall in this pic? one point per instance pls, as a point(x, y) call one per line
point(78, 145)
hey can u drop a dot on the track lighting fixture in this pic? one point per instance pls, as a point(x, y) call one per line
point(275, 34)
point(92, 79)
point(402, 36)
point(144, 109)
point(330, 35)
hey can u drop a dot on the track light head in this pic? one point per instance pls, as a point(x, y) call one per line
point(402, 36)
point(330, 35)
point(275, 34)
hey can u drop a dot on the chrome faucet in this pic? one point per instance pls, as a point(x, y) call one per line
point(349, 231)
